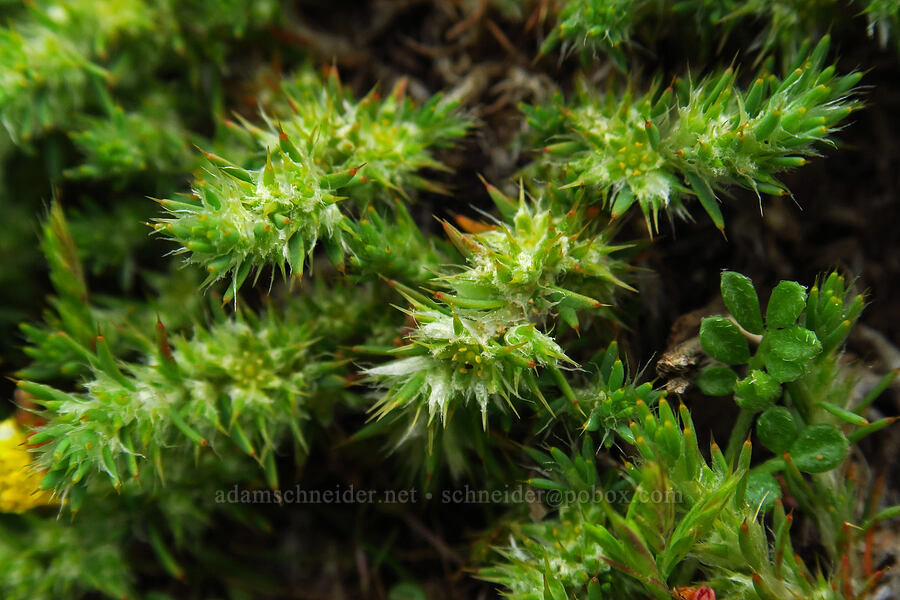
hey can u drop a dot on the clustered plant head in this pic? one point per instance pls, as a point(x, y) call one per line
point(693, 139)
point(257, 272)
point(327, 149)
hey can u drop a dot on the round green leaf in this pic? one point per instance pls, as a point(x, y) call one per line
point(716, 381)
point(776, 429)
point(787, 302)
point(757, 391)
point(782, 370)
point(794, 344)
point(762, 491)
point(724, 341)
point(819, 448)
point(742, 302)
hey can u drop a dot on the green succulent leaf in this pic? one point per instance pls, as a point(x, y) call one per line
point(787, 302)
point(716, 381)
point(724, 341)
point(784, 371)
point(819, 448)
point(776, 429)
point(794, 344)
point(742, 302)
point(757, 391)
point(762, 491)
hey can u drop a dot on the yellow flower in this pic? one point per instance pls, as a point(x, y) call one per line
point(18, 483)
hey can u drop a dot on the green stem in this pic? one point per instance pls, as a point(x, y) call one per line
point(771, 466)
point(800, 400)
point(739, 434)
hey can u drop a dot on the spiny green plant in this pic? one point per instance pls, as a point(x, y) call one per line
point(145, 402)
point(120, 144)
point(47, 558)
point(541, 258)
point(451, 360)
point(56, 347)
point(598, 25)
point(608, 26)
point(680, 513)
point(328, 149)
point(884, 20)
point(481, 340)
point(48, 70)
point(246, 382)
point(59, 54)
point(393, 139)
point(685, 512)
point(132, 83)
point(693, 139)
point(387, 242)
